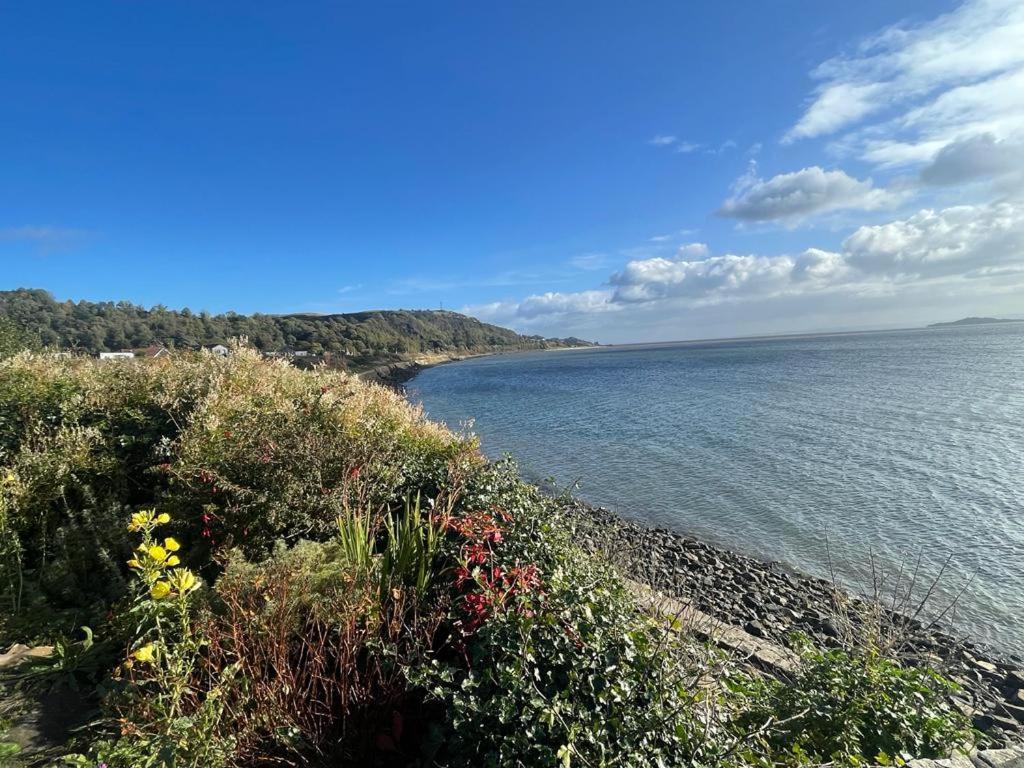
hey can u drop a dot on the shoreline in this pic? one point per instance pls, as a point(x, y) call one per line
point(770, 601)
point(396, 375)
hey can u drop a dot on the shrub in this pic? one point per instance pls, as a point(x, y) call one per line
point(323, 653)
point(856, 706)
point(241, 451)
point(551, 662)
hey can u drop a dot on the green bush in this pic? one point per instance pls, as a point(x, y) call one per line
point(555, 665)
point(857, 706)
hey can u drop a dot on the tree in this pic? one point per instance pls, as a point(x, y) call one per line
point(14, 338)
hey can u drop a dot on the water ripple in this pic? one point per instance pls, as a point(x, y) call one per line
point(904, 444)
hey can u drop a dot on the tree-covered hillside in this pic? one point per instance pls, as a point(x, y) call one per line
point(360, 337)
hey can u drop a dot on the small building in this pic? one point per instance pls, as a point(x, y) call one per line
point(124, 354)
point(154, 350)
point(220, 350)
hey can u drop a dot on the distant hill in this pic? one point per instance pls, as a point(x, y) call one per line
point(974, 321)
point(356, 340)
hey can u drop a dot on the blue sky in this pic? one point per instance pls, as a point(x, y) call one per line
point(623, 171)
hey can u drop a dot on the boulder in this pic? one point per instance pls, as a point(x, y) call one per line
point(999, 758)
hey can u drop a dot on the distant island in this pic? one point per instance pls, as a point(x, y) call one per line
point(356, 341)
point(974, 321)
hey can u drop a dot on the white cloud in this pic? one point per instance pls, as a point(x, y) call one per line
point(546, 305)
point(821, 266)
point(925, 86)
point(954, 241)
point(978, 157)
point(793, 197)
point(709, 279)
point(686, 147)
point(835, 106)
point(662, 140)
point(967, 251)
point(979, 40)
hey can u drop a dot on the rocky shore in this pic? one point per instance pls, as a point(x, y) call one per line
point(772, 602)
point(397, 375)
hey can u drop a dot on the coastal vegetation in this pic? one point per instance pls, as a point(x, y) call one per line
point(355, 341)
point(239, 563)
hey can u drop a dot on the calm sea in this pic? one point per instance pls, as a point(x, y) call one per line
point(904, 444)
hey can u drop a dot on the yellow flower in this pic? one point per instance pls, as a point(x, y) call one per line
point(160, 590)
point(145, 654)
point(133, 563)
point(158, 553)
point(140, 520)
point(163, 518)
point(185, 581)
point(172, 560)
point(171, 545)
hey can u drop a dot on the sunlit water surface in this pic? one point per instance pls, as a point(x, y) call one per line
point(900, 443)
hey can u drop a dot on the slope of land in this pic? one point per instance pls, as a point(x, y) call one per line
point(974, 321)
point(357, 340)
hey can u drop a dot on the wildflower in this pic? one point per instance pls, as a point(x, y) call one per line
point(157, 553)
point(163, 518)
point(171, 545)
point(133, 563)
point(160, 590)
point(172, 561)
point(140, 520)
point(145, 654)
point(185, 581)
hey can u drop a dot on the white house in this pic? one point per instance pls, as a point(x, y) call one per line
point(116, 355)
point(220, 350)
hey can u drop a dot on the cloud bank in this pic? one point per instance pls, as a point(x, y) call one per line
point(935, 111)
point(960, 243)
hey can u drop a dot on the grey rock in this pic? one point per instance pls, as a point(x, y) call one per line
point(999, 758)
point(957, 761)
point(755, 628)
point(984, 666)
